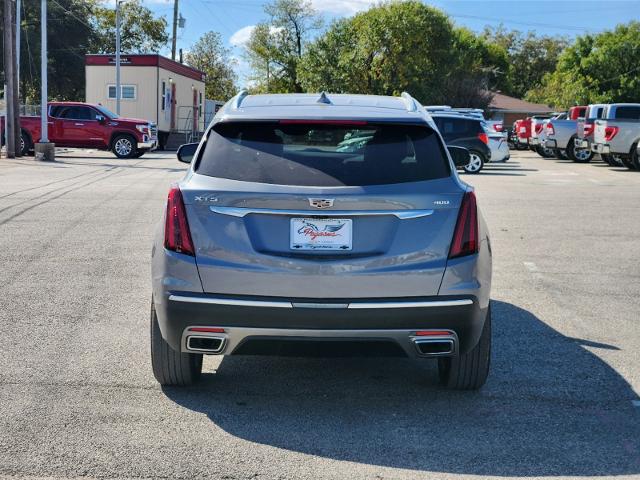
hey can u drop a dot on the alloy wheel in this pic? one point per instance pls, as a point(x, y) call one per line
point(123, 147)
point(475, 163)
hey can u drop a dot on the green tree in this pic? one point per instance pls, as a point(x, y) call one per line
point(400, 46)
point(141, 31)
point(69, 36)
point(601, 68)
point(210, 55)
point(530, 57)
point(275, 48)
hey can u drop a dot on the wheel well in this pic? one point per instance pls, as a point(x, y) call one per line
point(119, 134)
point(28, 135)
point(634, 147)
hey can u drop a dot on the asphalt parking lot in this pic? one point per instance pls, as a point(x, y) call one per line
point(77, 397)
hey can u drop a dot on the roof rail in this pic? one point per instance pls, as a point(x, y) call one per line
point(409, 102)
point(437, 108)
point(236, 102)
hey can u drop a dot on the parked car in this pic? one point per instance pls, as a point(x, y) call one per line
point(498, 146)
point(586, 128)
point(618, 133)
point(464, 131)
point(276, 243)
point(524, 132)
point(83, 125)
point(561, 135)
point(537, 132)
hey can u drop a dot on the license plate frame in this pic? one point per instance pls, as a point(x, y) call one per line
point(321, 234)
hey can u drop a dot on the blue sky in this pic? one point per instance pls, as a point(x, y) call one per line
point(234, 18)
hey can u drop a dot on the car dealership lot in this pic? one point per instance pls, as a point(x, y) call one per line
point(77, 397)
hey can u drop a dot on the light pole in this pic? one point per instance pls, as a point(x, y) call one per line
point(44, 149)
point(118, 2)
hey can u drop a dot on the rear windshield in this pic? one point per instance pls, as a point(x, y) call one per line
point(629, 112)
point(595, 112)
point(323, 155)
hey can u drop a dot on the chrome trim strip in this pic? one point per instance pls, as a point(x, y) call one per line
point(434, 303)
point(285, 304)
point(230, 301)
point(320, 305)
point(241, 212)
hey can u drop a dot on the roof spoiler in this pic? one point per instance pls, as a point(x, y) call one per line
point(409, 102)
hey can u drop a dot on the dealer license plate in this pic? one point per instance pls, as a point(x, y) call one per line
point(321, 234)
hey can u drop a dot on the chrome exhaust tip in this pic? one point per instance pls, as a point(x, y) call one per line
point(206, 344)
point(435, 347)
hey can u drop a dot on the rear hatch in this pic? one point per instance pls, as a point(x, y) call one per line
point(322, 210)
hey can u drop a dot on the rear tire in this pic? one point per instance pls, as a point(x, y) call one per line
point(544, 152)
point(25, 143)
point(476, 162)
point(635, 159)
point(171, 367)
point(626, 161)
point(468, 371)
point(578, 155)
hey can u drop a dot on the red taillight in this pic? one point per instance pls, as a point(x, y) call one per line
point(484, 138)
point(465, 236)
point(610, 132)
point(550, 129)
point(539, 127)
point(176, 229)
point(498, 127)
point(587, 129)
point(432, 333)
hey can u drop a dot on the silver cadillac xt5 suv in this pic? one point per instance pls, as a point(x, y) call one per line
point(322, 225)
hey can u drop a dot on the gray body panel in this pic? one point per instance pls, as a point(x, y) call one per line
point(401, 239)
point(564, 131)
point(628, 134)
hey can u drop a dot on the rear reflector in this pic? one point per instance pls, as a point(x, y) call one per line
point(207, 329)
point(465, 236)
point(484, 138)
point(176, 230)
point(610, 132)
point(432, 333)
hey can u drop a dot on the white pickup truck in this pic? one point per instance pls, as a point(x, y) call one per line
point(618, 133)
point(561, 134)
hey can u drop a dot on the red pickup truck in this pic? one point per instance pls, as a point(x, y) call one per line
point(83, 125)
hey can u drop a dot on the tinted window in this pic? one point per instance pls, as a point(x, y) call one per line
point(628, 112)
point(323, 155)
point(452, 128)
point(595, 112)
point(78, 113)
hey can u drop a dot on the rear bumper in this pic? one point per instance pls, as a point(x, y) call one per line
point(395, 320)
point(582, 143)
point(601, 148)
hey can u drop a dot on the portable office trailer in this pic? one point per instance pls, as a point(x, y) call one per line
point(153, 88)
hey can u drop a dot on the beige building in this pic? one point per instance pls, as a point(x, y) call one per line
point(152, 88)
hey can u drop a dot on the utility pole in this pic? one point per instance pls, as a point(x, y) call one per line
point(175, 28)
point(118, 57)
point(44, 149)
point(15, 27)
point(9, 40)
